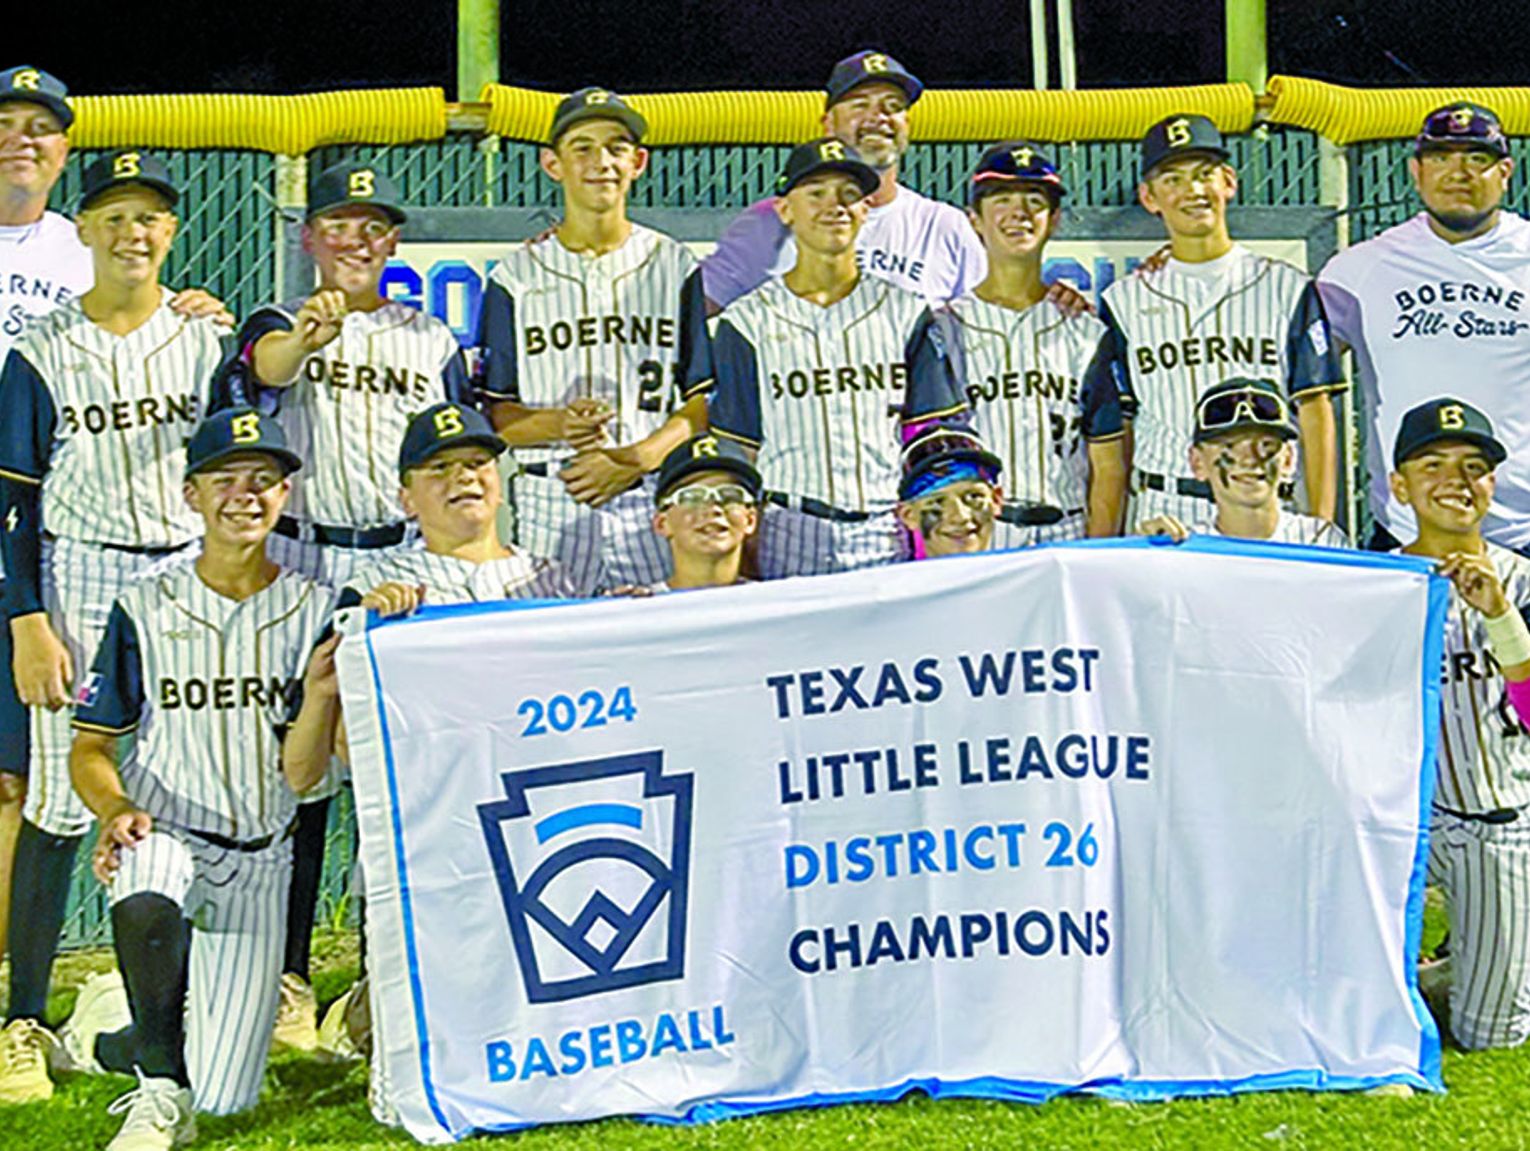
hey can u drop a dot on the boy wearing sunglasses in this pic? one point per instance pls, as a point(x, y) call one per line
point(1244, 449)
point(707, 508)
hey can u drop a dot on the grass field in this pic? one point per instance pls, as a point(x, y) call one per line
point(315, 1106)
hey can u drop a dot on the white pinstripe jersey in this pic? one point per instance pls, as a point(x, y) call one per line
point(42, 266)
point(820, 392)
point(346, 412)
point(1033, 396)
point(1178, 331)
point(1291, 528)
point(208, 683)
point(627, 327)
point(102, 421)
point(450, 580)
point(1484, 757)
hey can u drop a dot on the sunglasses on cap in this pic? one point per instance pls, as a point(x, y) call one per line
point(939, 443)
point(1241, 408)
point(699, 496)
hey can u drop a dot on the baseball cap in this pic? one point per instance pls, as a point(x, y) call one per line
point(1463, 123)
point(1240, 403)
point(1446, 420)
point(442, 426)
point(595, 104)
point(234, 432)
point(941, 456)
point(34, 86)
point(1013, 161)
point(1180, 135)
point(870, 67)
point(826, 154)
point(351, 182)
point(707, 454)
point(121, 168)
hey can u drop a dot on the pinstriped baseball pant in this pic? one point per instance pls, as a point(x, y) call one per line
point(794, 543)
point(602, 548)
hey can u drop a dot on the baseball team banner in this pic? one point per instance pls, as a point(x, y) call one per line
point(1141, 820)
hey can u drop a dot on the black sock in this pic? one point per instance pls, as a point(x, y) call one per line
point(153, 943)
point(40, 881)
point(307, 869)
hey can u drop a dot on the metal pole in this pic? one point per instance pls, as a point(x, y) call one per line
point(477, 47)
point(1246, 57)
point(293, 273)
point(1067, 57)
point(1040, 64)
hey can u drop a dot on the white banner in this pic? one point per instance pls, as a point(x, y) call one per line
point(1143, 820)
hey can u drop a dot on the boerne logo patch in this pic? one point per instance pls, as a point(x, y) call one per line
point(593, 864)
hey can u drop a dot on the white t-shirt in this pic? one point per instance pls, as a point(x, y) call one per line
point(42, 265)
point(1426, 319)
point(1291, 528)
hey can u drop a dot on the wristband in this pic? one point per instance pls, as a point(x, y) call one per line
point(1509, 637)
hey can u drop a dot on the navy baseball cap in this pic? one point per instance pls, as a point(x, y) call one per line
point(1446, 420)
point(235, 432)
point(942, 455)
point(126, 167)
point(1181, 135)
point(868, 68)
point(707, 454)
point(1463, 123)
point(595, 104)
point(1012, 162)
point(443, 426)
point(351, 182)
point(826, 154)
point(34, 86)
point(1239, 404)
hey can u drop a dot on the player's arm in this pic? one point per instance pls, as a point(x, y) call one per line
point(744, 254)
point(1104, 431)
point(733, 408)
point(1111, 360)
point(937, 375)
point(311, 738)
point(1314, 373)
point(277, 345)
point(1508, 635)
point(200, 304)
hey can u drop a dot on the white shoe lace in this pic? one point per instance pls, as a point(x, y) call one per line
point(151, 1105)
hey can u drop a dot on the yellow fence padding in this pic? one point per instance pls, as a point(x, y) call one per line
point(1349, 115)
point(289, 125)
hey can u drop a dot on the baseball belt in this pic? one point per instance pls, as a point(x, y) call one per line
point(363, 538)
point(247, 846)
point(1497, 815)
point(1152, 481)
point(133, 550)
point(1034, 515)
point(809, 506)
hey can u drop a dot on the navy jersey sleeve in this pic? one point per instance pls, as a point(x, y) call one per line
point(21, 546)
point(456, 382)
point(1113, 363)
point(26, 433)
point(1101, 398)
point(236, 384)
point(695, 368)
point(734, 407)
point(496, 335)
point(936, 377)
point(111, 699)
point(1312, 356)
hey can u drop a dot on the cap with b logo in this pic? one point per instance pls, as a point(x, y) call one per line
point(353, 182)
point(1466, 124)
point(707, 454)
point(1242, 404)
point(595, 104)
point(125, 168)
point(826, 155)
point(34, 86)
point(1181, 135)
point(443, 426)
point(1446, 420)
point(1012, 162)
point(868, 68)
point(236, 432)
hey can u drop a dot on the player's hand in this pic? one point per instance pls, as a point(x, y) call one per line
point(1069, 300)
point(320, 680)
point(1155, 263)
point(392, 599)
point(630, 591)
point(594, 478)
point(320, 317)
point(41, 663)
point(200, 304)
point(1477, 581)
point(128, 828)
point(584, 423)
point(1164, 526)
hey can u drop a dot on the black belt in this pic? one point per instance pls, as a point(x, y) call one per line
point(1497, 815)
point(142, 551)
point(545, 470)
point(812, 507)
point(1031, 515)
point(383, 537)
point(1198, 489)
point(245, 845)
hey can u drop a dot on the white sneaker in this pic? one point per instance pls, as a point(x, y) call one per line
point(25, 1046)
point(297, 1016)
point(159, 1116)
point(102, 1007)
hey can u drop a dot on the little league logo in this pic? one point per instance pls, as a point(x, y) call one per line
point(593, 864)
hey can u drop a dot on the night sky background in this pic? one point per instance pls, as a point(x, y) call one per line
point(669, 45)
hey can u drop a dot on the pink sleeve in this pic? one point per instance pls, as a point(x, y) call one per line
point(1519, 699)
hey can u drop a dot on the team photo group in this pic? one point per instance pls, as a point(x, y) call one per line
point(855, 375)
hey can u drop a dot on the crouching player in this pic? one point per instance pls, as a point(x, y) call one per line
point(201, 661)
point(707, 506)
point(949, 496)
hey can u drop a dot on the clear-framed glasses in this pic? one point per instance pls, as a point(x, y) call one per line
point(699, 496)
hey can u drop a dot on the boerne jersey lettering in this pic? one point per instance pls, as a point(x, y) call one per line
point(1428, 318)
point(43, 266)
point(102, 421)
point(821, 392)
point(207, 683)
point(452, 580)
point(346, 412)
point(1181, 330)
point(1039, 386)
point(627, 327)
